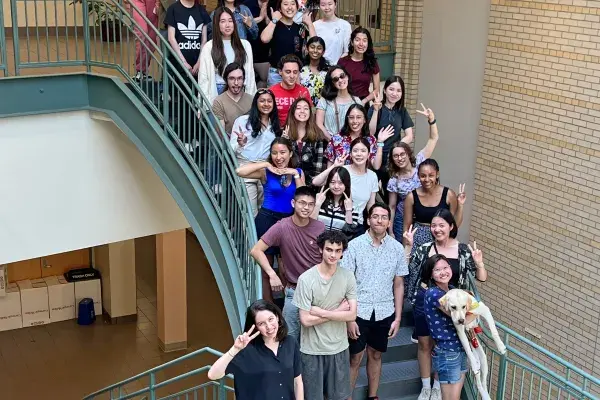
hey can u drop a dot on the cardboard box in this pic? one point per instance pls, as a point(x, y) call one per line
point(10, 309)
point(34, 302)
point(3, 279)
point(61, 298)
point(89, 289)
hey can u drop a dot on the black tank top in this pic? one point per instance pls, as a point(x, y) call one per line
point(423, 214)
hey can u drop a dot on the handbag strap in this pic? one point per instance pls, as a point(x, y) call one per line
point(337, 116)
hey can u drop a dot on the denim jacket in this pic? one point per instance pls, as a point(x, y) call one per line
point(465, 263)
point(244, 32)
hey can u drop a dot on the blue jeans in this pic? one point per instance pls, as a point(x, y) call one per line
point(291, 314)
point(450, 365)
point(274, 77)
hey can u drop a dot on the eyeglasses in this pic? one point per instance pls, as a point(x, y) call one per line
point(336, 79)
point(380, 217)
point(397, 156)
point(304, 204)
point(235, 78)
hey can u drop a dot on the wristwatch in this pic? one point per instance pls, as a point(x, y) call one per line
point(274, 20)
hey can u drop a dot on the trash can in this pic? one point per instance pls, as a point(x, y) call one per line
point(86, 314)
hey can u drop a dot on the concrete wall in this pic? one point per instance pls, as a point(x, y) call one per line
point(452, 60)
point(537, 185)
point(72, 182)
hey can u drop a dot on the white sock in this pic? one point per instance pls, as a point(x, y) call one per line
point(426, 382)
point(436, 384)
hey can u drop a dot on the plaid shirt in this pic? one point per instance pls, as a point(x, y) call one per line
point(311, 158)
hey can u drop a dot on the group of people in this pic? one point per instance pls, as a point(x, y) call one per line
point(351, 220)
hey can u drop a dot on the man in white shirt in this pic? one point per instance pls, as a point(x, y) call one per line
point(334, 31)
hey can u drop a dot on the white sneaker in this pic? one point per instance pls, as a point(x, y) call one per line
point(425, 394)
point(436, 394)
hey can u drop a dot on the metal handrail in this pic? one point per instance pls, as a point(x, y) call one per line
point(153, 385)
point(3, 53)
point(174, 100)
point(562, 379)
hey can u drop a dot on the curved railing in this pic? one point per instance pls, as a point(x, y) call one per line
point(528, 371)
point(100, 36)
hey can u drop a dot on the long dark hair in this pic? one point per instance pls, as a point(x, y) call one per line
point(313, 133)
point(236, 4)
point(344, 176)
point(369, 59)
point(447, 216)
point(364, 132)
point(323, 62)
point(394, 79)
point(264, 305)
point(432, 163)
point(329, 91)
point(393, 169)
point(254, 115)
point(217, 52)
point(428, 266)
point(287, 143)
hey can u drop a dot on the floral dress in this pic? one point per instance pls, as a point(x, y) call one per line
point(403, 186)
point(340, 145)
point(313, 82)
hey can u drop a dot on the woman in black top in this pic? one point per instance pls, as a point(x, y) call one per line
point(266, 364)
point(284, 36)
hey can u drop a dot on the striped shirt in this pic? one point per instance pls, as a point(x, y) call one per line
point(334, 218)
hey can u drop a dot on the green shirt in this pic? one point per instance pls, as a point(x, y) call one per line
point(313, 290)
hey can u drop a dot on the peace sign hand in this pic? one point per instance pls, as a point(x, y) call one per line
point(340, 161)
point(241, 139)
point(320, 197)
point(242, 340)
point(377, 101)
point(286, 132)
point(476, 253)
point(385, 133)
point(409, 235)
point(348, 205)
point(462, 196)
point(428, 112)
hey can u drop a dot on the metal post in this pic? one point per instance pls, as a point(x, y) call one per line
point(222, 395)
point(15, 34)
point(151, 386)
point(502, 371)
point(86, 35)
point(165, 87)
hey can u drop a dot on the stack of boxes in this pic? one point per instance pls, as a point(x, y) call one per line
point(42, 301)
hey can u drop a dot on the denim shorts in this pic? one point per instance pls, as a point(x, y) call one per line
point(274, 77)
point(450, 365)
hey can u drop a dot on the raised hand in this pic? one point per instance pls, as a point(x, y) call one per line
point(340, 161)
point(347, 202)
point(241, 139)
point(275, 14)
point(286, 132)
point(247, 20)
point(306, 18)
point(321, 196)
point(462, 196)
point(428, 112)
point(476, 253)
point(385, 133)
point(275, 170)
point(409, 235)
point(242, 340)
point(377, 101)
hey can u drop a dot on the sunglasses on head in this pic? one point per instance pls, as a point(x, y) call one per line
point(336, 79)
point(263, 91)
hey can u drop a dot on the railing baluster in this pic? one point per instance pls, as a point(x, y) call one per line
point(502, 371)
point(15, 34)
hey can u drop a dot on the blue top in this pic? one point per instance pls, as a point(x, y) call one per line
point(277, 197)
point(440, 325)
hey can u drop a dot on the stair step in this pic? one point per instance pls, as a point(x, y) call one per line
point(399, 380)
point(400, 348)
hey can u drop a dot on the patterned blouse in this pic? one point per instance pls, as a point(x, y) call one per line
point(440, 325)
point(340, 145)
point(313, 82)
point(310, 157)
point(417, 261)
point(403, 186)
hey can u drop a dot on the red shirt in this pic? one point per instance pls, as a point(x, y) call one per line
point(284, 99)
point(361, 80)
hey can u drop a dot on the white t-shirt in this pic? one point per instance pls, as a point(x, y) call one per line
point(336, 35)
point(256, 149)
point(361, 188)
point(229, 55)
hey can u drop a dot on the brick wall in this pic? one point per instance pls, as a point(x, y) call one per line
point(537, 185)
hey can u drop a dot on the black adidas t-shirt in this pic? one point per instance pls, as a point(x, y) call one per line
point(188, 24)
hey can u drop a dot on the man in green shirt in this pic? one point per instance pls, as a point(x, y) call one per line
point(326, 298)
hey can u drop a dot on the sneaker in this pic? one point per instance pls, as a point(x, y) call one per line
point(413, 337)
point(139, 76)
point(436, 394)
point(425, 394)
